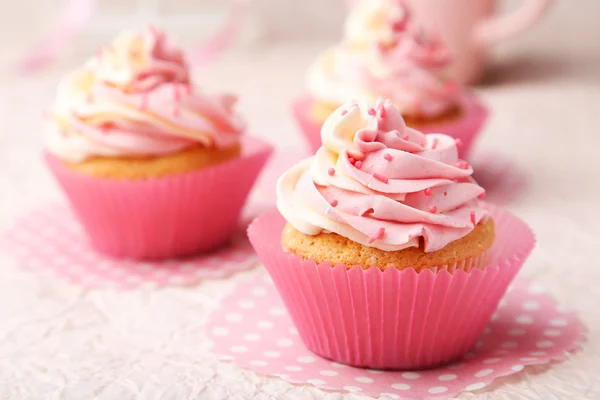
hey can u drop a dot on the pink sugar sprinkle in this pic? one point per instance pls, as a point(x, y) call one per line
point(435, 143)
point(382, 112)
point(428, 192)
point(144, 102)
point(445, 193)
point(387, 156)
point(344, 112)
point(378, 235)
point(399, 26)
point(351, 160)
point(481, 196)
point(458, 142)
point(358, 164)
point(451, 86)
point(473, 220)
point(462, 165)
point(188, 88)
point(372, 111)
point(333, 203)
point(176, 93)
point(380, 177)
point(433, 209)
point(331, 171)
point(405, 137)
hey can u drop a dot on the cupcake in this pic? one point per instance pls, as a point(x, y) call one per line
point(385, 54)
point(382, 250)
point(153, 167)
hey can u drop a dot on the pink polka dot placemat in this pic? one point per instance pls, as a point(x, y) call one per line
point(252, 329)
point(51, 239)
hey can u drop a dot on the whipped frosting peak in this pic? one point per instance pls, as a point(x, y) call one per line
point(382, 184)
point(135, 98)
point(385, 53)
point(140, 61)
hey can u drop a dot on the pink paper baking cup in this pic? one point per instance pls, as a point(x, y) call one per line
point(466, 128)
point(391, 319)
point(166, 217)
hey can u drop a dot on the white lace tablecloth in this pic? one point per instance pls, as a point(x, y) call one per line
point(58, 341)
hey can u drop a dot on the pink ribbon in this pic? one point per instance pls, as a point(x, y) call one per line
point(222, 38)
point(78, 12)
point(74, 18)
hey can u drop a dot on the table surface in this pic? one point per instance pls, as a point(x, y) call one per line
point(59, 341)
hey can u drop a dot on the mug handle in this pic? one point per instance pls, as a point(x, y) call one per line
point(497, 29)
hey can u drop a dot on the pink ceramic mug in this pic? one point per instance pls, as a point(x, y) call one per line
point(470, 27)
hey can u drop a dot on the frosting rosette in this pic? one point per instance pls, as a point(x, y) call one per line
point(135, 98)
point(385, 53)
point(382, 184)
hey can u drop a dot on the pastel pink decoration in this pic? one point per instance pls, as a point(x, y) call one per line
point(465, 128)
point(225, 34)
point(252, 329)
point(51, 241)
point(77, 13)
point(393, 319)
point(469, 28)
point(378, 235)
point(74, 18)
point(168, 217)
point(380, 177)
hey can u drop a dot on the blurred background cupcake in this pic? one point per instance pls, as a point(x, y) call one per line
point(146, 159)
point(386, 53)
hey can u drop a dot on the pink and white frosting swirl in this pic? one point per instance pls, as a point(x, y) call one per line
point(384, 53)
point(381, 184)
point(135, 98)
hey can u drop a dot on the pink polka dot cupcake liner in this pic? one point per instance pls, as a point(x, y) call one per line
point(165, 217)
point(253, 330)
point(391, 319)
point(466, 128)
